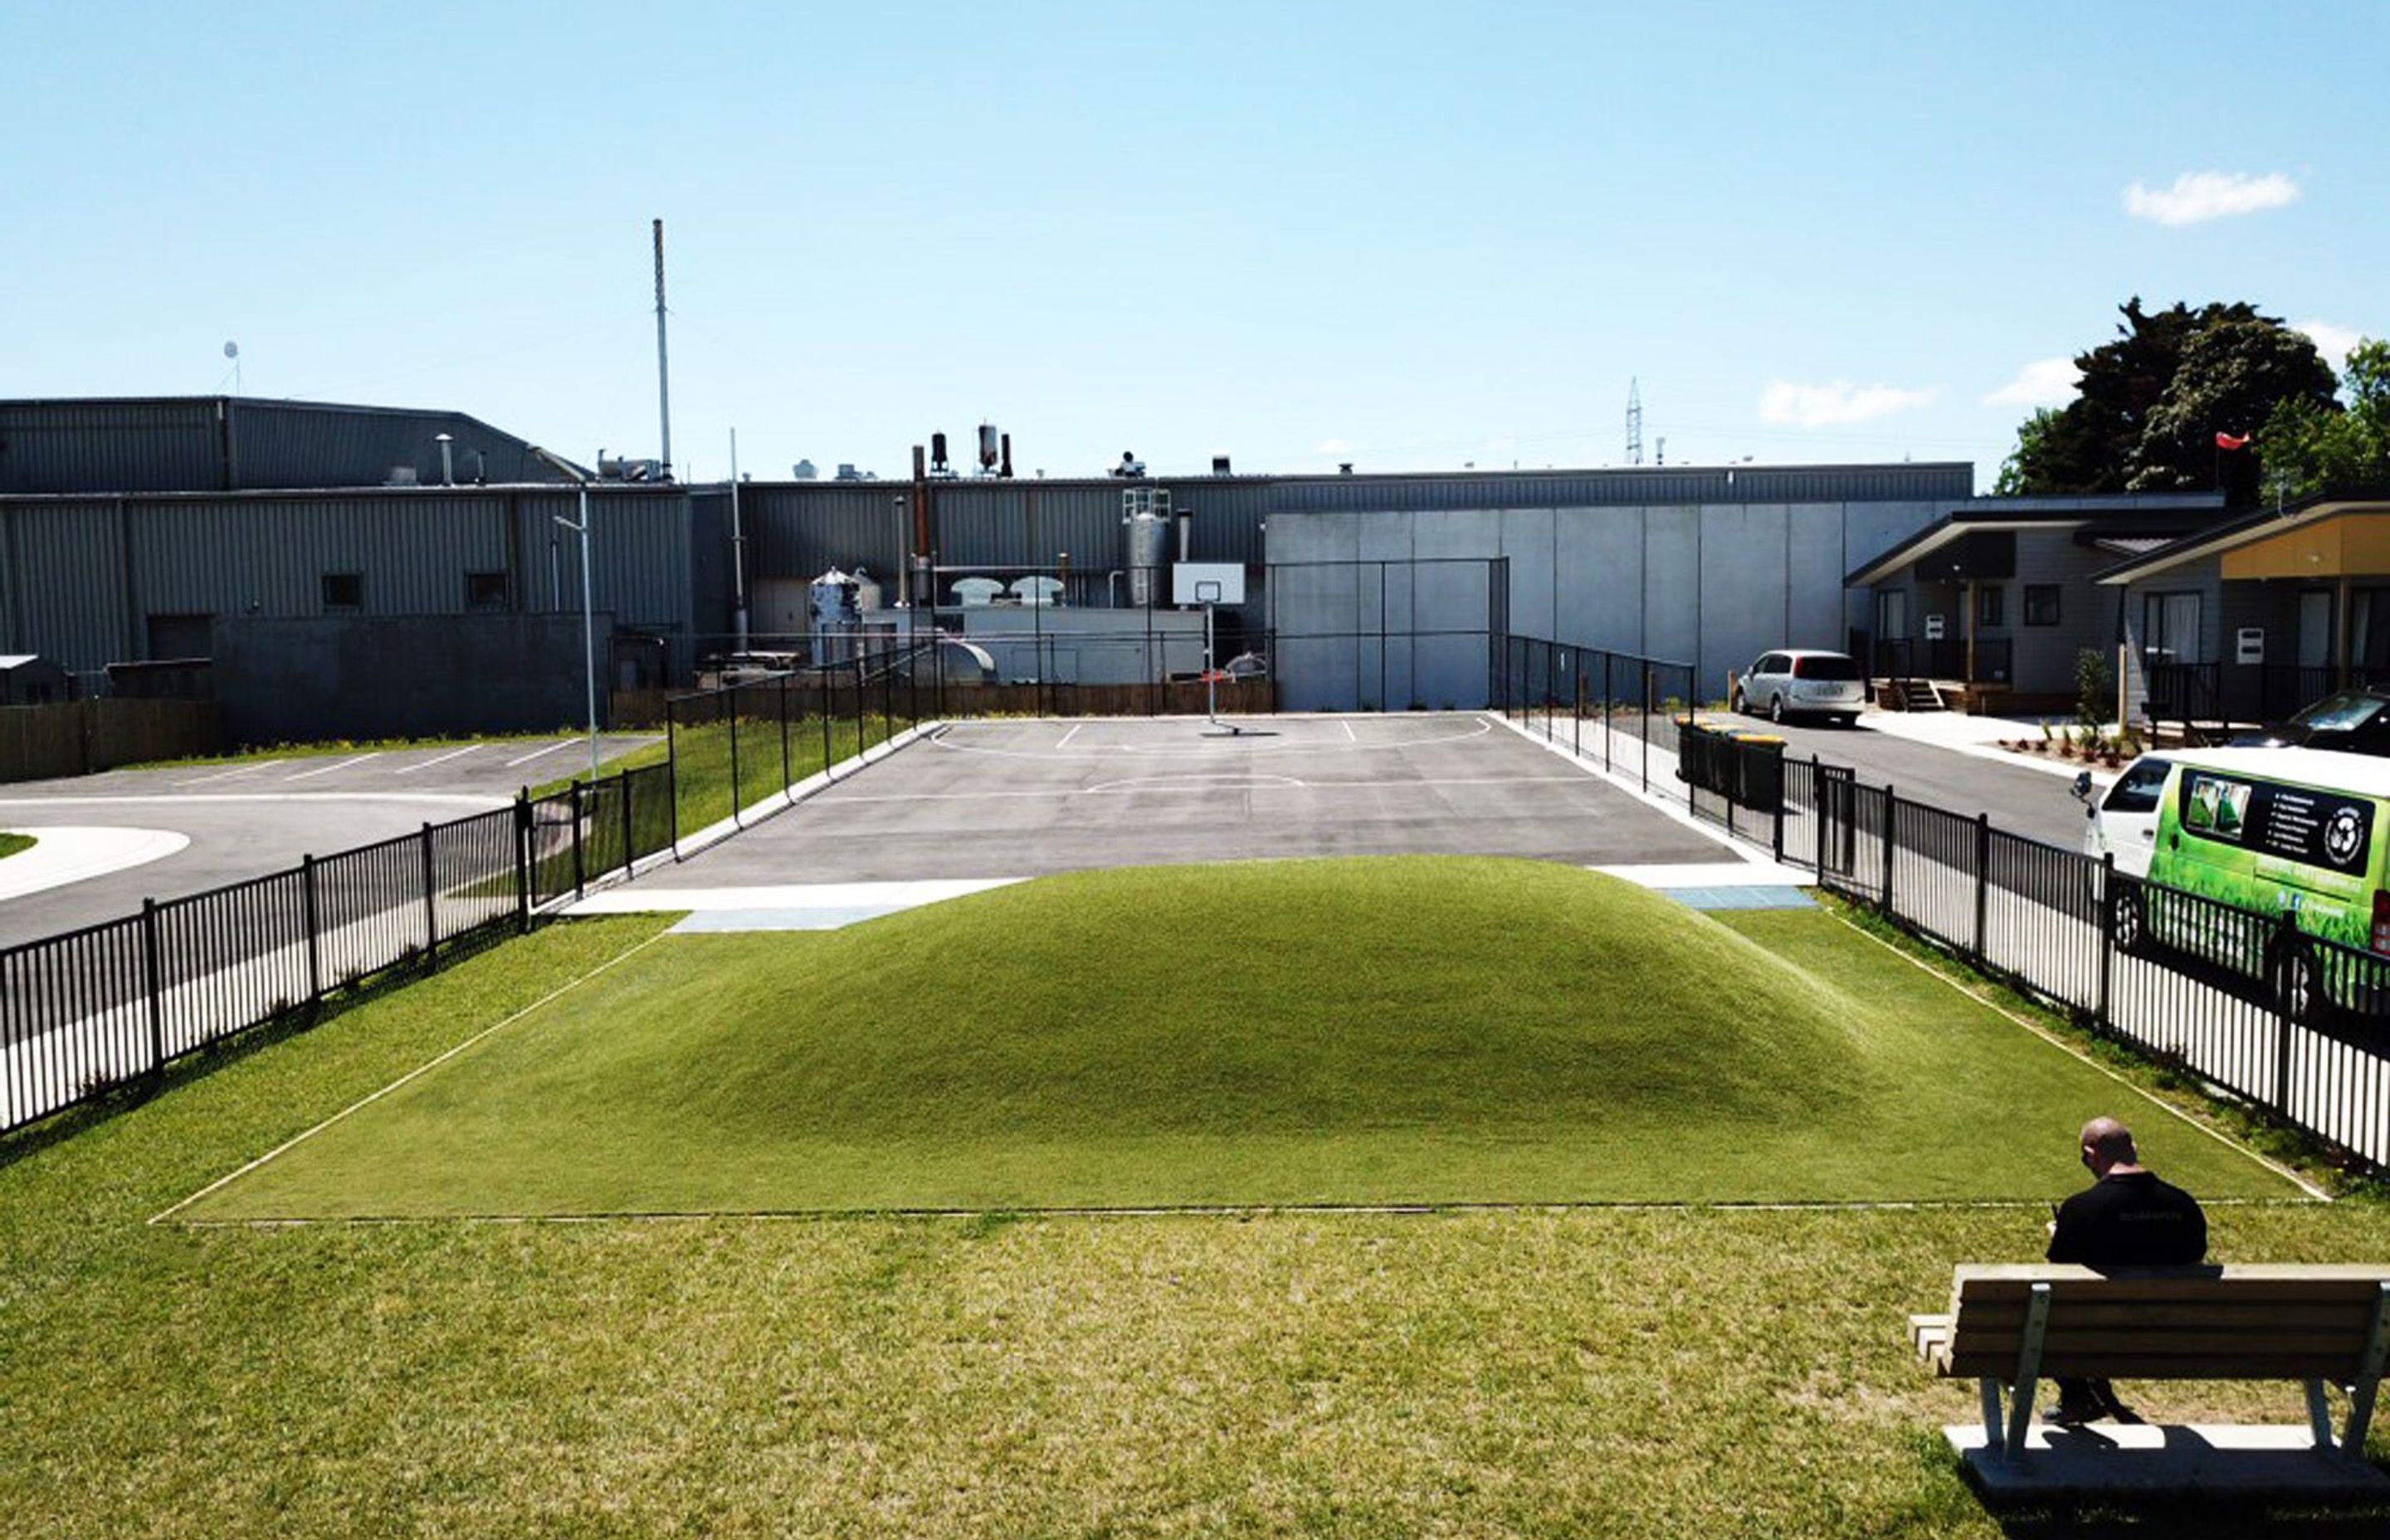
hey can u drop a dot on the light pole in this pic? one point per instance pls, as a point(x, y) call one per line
point(588, 614)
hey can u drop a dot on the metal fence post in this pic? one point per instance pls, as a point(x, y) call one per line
point(522, 857)
point(1982, 885)
point(1608, 701)
point(153, 970)
point(580, 868)
point(430, 904)
point(314, 934)
point(1783, 801)
point(2107, 940)
point(788, 772)
point(1891, 811)
point(736, 800)
point(829, 711)
point(1818, 795)
point(630, 847)
point(1645, 734)
point(671, 773)
point(2287, 942)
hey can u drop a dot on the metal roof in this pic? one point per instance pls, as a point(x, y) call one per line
point(239, 444)
point(1984, 514)
point(2241, 532)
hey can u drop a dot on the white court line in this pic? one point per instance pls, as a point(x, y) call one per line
point(426, 765)
point(1069, 735)
point(307, 775)
point(1481, 729)
point(536, 753)
point(237, 770)
point(1259, 780)
point(193, 799)
point(1345, 722)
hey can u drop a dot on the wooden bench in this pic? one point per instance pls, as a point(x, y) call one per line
point(2011, 1327)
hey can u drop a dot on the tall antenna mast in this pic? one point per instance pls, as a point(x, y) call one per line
point(1634, 414)
point(663, 370)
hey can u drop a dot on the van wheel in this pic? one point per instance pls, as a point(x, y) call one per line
point(1775, 710)
point(2297, 993)
point(2125, 921)
point(1740, 704)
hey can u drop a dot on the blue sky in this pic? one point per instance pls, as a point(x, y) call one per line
point(1409, 235)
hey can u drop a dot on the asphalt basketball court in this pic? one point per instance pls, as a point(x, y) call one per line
point(973, 804)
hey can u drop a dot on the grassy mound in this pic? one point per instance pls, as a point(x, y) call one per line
point(1409, 1030)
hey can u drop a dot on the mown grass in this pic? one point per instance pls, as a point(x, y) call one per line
point(1421, 1030)
point(12, 844)
point(702, 759)
point(1588, 1371)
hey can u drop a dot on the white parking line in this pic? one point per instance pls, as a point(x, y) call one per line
point(536, 753)
point(1069, 735)
point(228, 775)
point(1350, 736)
point(306, 775)
point(426, 765)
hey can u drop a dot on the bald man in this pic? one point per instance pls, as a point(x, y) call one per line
point(2126, 1218)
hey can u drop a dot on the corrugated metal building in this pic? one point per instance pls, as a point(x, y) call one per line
point(94, 580)
point(234, 443)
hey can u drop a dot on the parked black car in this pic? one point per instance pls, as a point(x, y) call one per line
point(2356, 720)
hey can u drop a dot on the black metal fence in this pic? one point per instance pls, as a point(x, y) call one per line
point(106, 1006)
point(2220, 695)
point(2294, 1023)
point(1613, 708)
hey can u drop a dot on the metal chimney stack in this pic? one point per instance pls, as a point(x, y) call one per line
point(664, 369)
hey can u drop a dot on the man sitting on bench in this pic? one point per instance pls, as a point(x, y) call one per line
point(2126, 1218)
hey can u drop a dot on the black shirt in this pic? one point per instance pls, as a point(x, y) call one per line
point(2130, 1221)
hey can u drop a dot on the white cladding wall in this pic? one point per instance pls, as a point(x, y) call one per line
point(1712, 584)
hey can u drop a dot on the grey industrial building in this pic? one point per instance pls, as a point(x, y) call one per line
point(222, 527)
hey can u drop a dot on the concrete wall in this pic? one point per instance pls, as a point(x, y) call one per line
point(366, 676)
point(1712, 585)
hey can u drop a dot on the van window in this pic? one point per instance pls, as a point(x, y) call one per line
point(1825, 666)
point(2137, 790)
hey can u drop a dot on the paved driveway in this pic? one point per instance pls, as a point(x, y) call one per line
point(264, 816)
point(2036, 804)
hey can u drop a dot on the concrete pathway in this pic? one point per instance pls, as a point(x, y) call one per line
point(64, 853)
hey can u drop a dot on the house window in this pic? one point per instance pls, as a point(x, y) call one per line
point(345, 591)
point(2041, 604)
point(2170, 628)
point(486, 590)
point(1991, 605)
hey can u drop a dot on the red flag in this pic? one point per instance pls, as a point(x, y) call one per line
point(2231, 440)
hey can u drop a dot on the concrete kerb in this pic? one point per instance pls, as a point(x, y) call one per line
point(746, 817)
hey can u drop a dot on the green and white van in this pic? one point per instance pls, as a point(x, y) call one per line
point(2299, 831)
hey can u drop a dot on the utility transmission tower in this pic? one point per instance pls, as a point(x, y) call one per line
point(1634, 423)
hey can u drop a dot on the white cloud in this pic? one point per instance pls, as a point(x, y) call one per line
point(2043, 382)
point(1833, 405)
point(2331, 341)
point(2197, 196)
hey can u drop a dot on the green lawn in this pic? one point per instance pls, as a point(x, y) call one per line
point(1376, 1032)
point(1585, 1371)
point(11, 844)
point(702, 776)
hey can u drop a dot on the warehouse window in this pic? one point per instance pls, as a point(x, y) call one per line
point(345, 591)
point(486, 590)
point(2041, 604)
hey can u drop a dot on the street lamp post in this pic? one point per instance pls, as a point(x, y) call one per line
point(588, 613)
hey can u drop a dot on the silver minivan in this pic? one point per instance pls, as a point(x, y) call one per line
point(1797, 680)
